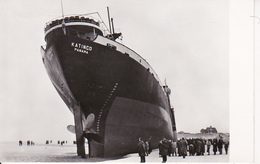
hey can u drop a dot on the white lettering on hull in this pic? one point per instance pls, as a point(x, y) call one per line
point(82, 48)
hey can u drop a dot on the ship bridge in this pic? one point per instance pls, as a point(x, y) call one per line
point(82, 26)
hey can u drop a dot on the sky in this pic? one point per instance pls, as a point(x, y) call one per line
point(186, 42)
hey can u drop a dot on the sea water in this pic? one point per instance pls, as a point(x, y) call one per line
point(12, 152)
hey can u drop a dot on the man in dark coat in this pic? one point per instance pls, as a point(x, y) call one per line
point(183, 146)
point(163, 149)
point(141, 150)
point(194, 142)
point(199, 147)
point(226, 146)
point(208, 146)
point(215, 144)
point(220, 145)
point(160, 148)
point(203, 146)
point(191, 149)
point(169, 147)
point(179, 148)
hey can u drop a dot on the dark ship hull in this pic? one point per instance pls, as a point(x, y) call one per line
point(119, 95)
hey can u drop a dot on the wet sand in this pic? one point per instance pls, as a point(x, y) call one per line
point(12, 152)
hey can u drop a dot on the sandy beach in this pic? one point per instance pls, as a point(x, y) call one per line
point(12, 152)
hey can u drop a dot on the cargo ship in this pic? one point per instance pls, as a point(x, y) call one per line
point(113, 93)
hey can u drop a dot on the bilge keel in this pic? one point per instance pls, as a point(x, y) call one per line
point(114, 94)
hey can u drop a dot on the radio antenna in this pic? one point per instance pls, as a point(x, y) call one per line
point(113, 30)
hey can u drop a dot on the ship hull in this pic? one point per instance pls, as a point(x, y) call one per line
point(124, 98)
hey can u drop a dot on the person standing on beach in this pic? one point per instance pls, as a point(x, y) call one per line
point(183, 145)
point(208, 146)
point(191, 149)
point(149, 143)
point(215, 144)
point(226, 146)
point(169, 147)
point(163, 149)
point(141, 150)
point(179, 148)
point(220, 145)
point(174, 145)
point(194, 142)
point(203, 146)
point(146, 148)
point(199, 147)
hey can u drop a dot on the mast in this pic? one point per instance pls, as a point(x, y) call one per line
point(62, 9)
point(109, 20)
point(63, 21)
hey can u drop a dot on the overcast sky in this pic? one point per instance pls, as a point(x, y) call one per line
point(185, 41)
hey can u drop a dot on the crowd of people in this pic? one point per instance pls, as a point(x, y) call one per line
point(183, 147)
point(197, 146)
point(31, 143)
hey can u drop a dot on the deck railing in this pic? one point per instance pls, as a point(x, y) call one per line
point(70, 19)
